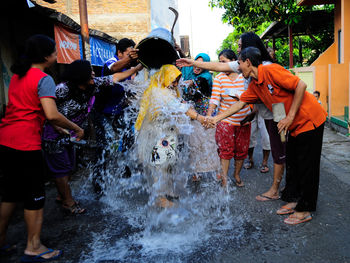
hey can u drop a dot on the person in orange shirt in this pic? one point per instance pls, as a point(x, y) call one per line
point(304, 125)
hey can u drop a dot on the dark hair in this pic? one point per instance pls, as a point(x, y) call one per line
point(253, 54)
point(317, 92)
point(124, 44)
point(250, 39)
point(77, 73)
point(36, 49)
point(229, 54)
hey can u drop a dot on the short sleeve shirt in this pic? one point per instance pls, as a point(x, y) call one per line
point(275, 84)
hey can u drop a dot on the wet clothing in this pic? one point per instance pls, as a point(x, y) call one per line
point(188, 74)
point(232, 141)
point(162, 126)
point(74, 104)
point(21, 127)
point(24, 177)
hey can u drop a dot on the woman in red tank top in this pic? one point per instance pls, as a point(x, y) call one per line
point(31, 100)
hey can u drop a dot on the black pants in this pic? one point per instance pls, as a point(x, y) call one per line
point(303, 169)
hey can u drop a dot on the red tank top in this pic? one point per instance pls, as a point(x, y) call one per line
point(22, 125)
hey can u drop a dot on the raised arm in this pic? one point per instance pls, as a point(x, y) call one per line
point(119, 76)
point(56, 118)
point(214, 66)
point(123, 63)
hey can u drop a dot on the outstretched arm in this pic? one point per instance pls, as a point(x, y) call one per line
point(230, 111)
point(214, 66)
point(125, 74)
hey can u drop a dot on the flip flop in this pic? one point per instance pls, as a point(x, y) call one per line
point(264, 169)
point(285, 210)
point(295, 221)
point(264, 198)
point(239, 183)
point(249, 165)
point(7, 250)
point(39, 258)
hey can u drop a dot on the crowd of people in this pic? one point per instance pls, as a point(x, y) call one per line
point(225, 114)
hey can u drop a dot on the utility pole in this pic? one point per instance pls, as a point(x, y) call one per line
point(84, 29)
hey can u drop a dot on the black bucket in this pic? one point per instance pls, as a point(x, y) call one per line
point(157, 49)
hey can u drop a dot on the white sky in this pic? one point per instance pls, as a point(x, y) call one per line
point(206, 30)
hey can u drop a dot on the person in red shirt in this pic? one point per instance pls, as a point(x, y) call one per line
point(304, 124)
point(31, 100)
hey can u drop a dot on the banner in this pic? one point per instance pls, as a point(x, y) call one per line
point(67, 45)
point(101, 51)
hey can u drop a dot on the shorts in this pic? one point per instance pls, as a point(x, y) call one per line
point(60, 164)
point(278, 148)
point(23, 177)
point(232, 141)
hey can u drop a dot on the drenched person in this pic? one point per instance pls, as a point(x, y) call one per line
point(108, 110)
point(74, 97)
point(31, 101)
point(159, 125)
point(198, 81)
point(232, 138)
point(304, 124)
point(197, 90)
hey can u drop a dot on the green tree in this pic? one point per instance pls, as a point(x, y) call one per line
point(257, 15)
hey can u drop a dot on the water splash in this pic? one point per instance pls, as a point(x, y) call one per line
point(136, 230)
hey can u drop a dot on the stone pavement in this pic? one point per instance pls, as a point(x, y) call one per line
point(264, 236)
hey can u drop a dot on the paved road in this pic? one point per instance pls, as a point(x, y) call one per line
point(257, 234)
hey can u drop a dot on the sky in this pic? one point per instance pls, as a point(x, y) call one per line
point(206, 30)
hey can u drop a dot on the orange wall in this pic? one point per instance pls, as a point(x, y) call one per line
point(346, 29)
point(327, 57)
point(339, 88)
point(321, 84)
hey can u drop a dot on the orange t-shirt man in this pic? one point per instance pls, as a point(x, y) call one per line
point(276, 84)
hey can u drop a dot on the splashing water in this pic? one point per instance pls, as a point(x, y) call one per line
point(136, 230)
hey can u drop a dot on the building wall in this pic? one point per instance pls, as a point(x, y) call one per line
point(332, 77)
point(346, 29)
point(122, 18)
point(339, 81)
point(321, 84)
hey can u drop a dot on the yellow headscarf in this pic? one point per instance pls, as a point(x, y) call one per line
point(161, 79)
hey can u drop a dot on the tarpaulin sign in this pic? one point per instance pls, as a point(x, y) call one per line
point(101, 51)
point(67, 45)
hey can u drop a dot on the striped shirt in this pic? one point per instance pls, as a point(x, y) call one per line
point(223, 86)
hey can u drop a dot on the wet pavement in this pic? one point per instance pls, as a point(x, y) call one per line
point(261, 236)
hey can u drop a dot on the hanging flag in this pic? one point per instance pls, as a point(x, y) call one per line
point(101, 51)
point(67, 44)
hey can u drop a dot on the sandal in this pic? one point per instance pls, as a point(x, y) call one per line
point(75, 209)
point(239, 183)
point(285, 210)
point(249, 165)
point(264, 169)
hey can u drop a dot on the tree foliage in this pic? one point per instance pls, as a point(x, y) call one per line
point(257, 15)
